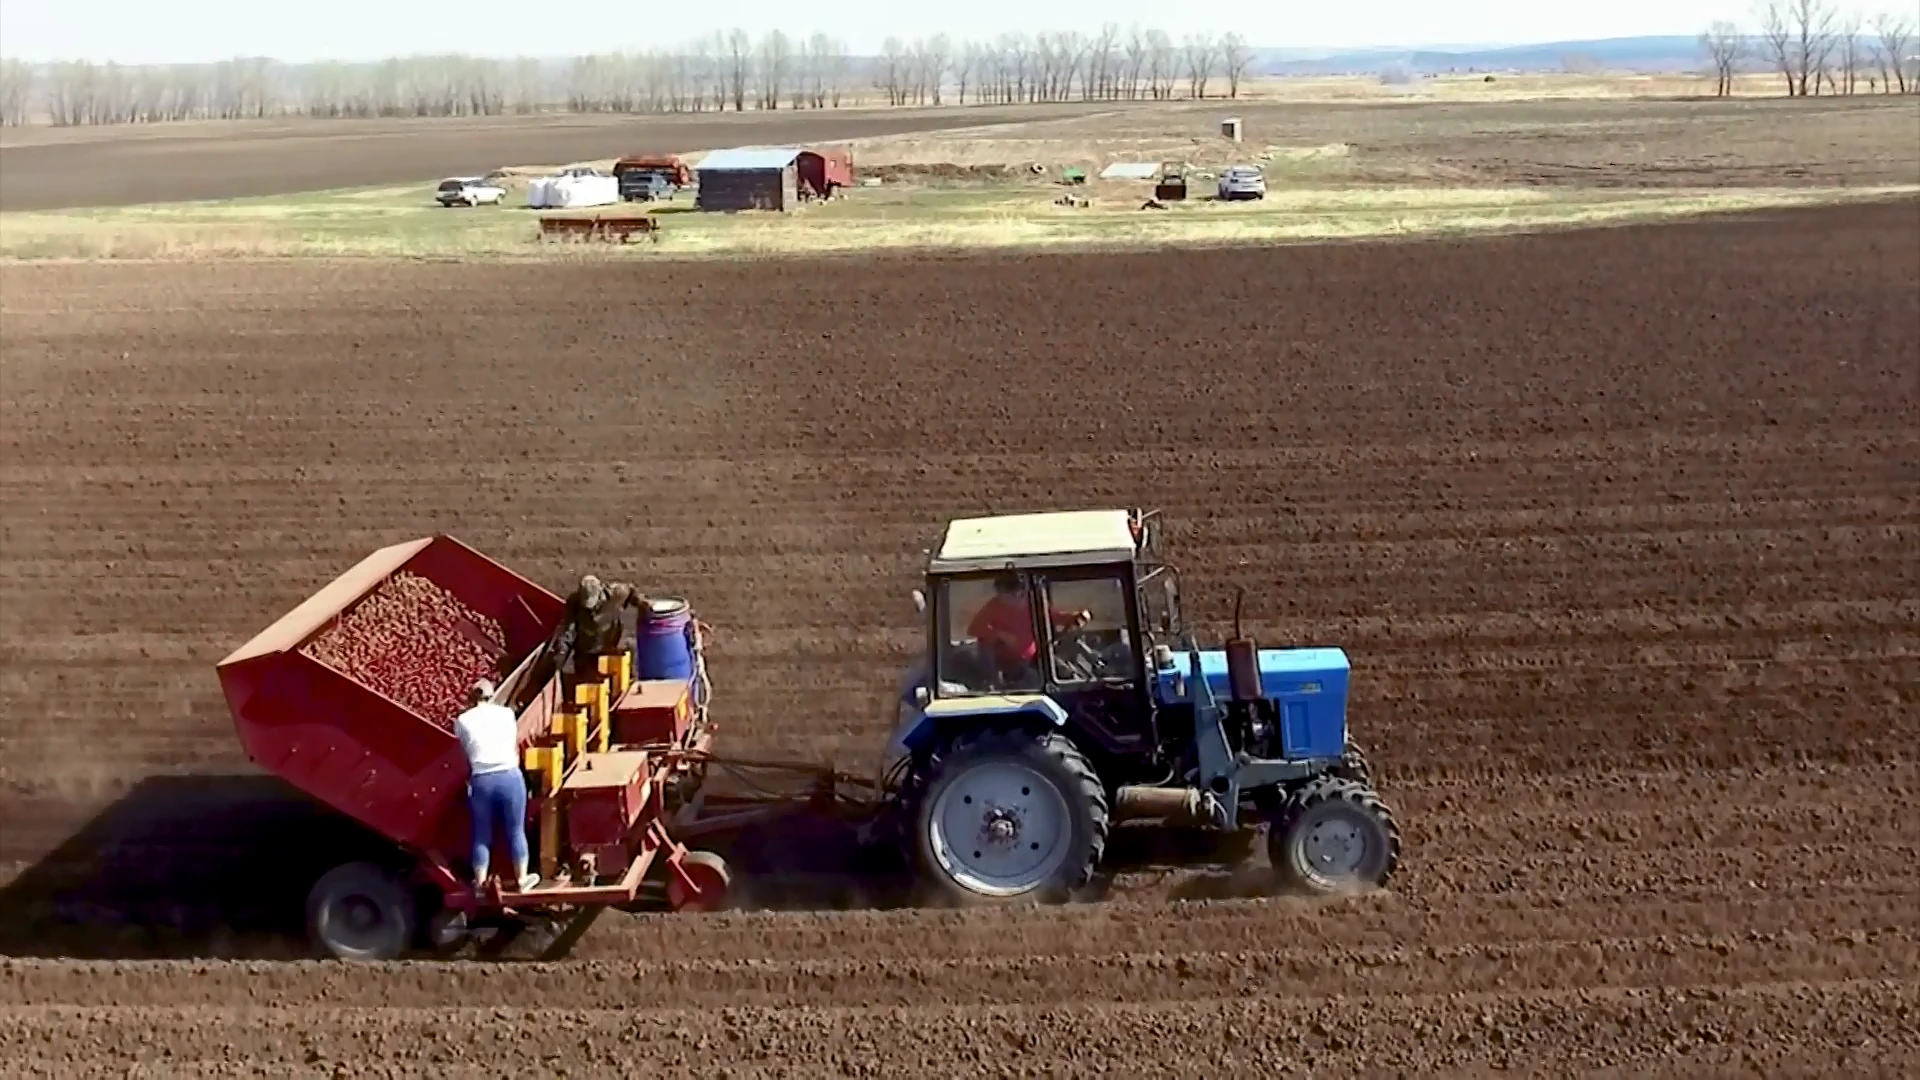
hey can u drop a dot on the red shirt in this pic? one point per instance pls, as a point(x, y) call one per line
point(1004, 624)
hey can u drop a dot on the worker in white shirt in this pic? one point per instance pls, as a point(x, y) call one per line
point(496, 792)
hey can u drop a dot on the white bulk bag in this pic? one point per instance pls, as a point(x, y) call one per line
point(585, 190)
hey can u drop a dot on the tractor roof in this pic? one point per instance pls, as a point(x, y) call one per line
point(1059, 538)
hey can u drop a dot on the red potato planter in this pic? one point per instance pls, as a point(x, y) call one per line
point(351, 697)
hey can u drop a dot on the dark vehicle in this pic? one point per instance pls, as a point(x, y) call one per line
point(644, 186)
point(648, 179)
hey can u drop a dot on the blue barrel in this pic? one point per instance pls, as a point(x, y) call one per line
point(666, 641)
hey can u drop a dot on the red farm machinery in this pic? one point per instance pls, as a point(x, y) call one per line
point(350, 697)
point(1003, 781)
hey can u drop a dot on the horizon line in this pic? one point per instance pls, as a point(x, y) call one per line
point(1332, 50)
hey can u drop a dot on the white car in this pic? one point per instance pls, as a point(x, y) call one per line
point(1242, 182)
point(469, 191)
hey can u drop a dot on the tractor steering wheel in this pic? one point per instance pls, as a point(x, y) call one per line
point(1074, 652)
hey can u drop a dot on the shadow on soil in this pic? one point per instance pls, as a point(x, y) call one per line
point(179, 867)
point(218, 867)
point(810, 862)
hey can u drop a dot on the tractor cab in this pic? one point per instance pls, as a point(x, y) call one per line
point(1066, 612)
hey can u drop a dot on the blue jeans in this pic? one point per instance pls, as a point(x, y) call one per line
point(498, 800)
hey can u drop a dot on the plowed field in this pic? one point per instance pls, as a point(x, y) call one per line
point(1621, 528)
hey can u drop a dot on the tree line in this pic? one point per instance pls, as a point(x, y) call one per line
point(1817, 48)
point(1813, 45)
point(720, 71)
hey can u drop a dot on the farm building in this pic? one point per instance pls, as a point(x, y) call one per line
point(774, 179)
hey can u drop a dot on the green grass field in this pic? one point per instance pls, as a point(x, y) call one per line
point(404, 222)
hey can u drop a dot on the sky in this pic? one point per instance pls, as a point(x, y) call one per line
point(188, 31)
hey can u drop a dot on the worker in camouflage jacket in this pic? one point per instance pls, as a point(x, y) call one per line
point(600, 620)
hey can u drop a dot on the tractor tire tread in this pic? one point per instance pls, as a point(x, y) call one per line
point(1069, 757)
point(1016, 740)
point(1325, 789)
point(1354, 765)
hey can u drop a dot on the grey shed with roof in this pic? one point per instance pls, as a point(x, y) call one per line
point(749, 179)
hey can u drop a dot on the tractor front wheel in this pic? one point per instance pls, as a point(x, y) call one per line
point(1009, 816)
point(1354, 765)
point(1333, 835)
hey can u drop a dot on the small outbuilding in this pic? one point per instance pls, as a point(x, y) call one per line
point(770, 179)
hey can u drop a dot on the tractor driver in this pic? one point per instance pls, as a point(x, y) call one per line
point(1004, 628)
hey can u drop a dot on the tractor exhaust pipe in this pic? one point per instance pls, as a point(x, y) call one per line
point(1243, 659)
point(1177, 805)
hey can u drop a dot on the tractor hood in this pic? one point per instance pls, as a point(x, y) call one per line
point(1308, 687)
point(1282, 671)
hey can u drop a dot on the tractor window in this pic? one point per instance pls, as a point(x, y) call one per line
point(1003, 664)
point(1159, 603)
point(1091, 641)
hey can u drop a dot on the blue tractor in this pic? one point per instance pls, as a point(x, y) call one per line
point(1060, 695)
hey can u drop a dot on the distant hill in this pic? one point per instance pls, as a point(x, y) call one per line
point(1647, 55)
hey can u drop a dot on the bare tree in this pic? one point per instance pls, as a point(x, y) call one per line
point(1162, 64)
point(1202, 53)
point(891, 72)
point(1815, 21)
point(699, 60)
point(1136, 62)
point(776, 62)
point(1892, 36)
point(526, 86)
point(1235, 56)
point(919, 67)
point(820, 50)
point(1777, 36)
point(963, 69)
point(834, 68)
point(1103, 82)
point(1724, 46)
point(939, 56)
point(1020, 55)
point(16, 92)
point(1047, 64)
point(1074, 49)
point(739, 61)
point(1799, 35)
point(1850, 51)
point(996, 71)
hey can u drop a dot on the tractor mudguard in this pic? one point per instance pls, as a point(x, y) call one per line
point(949, 714)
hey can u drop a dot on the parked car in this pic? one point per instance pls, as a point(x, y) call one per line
point(1242, 182)
point(647, 185)
point(648, 178)
point(469, 191)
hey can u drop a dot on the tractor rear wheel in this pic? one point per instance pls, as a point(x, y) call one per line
point(1009, 816)
point(1333, 835)
point(359, 911)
